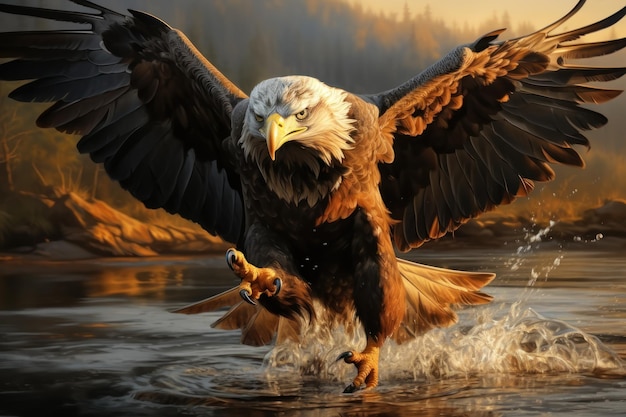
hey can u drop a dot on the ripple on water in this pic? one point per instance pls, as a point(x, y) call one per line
point(498, 341)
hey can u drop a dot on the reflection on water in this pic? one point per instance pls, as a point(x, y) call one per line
point(49, 284)
point(98, 338)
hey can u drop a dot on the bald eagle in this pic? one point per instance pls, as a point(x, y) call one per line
point(316, 187)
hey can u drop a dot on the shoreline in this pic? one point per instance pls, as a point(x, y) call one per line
point(66, 252)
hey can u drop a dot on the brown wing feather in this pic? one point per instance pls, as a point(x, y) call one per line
point(479, 127)
point(432, 292)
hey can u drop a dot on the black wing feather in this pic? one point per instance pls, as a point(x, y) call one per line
point(68, 90)
point(147, 104)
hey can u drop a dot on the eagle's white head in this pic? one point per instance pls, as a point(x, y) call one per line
point(302, 111)
point(297, 129)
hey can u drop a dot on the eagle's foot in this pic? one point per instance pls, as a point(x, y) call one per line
point(366, 364)
point(254, 281)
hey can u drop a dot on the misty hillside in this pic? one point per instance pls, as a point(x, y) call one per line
point(338, 42)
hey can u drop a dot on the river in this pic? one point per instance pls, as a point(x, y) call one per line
point(97, 338)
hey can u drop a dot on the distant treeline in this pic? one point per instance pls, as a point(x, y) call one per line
point(338, 42)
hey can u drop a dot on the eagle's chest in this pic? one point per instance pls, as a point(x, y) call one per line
point(290, 196)
point(278, 207)
point(296, 219)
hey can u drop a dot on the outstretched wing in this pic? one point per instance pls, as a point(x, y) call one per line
point(148, 105)
point(476, 129)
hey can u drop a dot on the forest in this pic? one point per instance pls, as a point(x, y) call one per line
point(341, 43)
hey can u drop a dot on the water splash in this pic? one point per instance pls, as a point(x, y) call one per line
point(520, 341)
point(531, 242)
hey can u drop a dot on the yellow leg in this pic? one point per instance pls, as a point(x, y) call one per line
point(254, 281)
point(366, 363)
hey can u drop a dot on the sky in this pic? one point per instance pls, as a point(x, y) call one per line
point(539, 13)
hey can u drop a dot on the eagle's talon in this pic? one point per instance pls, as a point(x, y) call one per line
point(246, 297)
point(231, 258)
point(278, 283)
point(350, 389)
point(366, 363)
point(254, 281)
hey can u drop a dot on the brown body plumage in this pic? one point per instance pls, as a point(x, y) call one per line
point(317, 186)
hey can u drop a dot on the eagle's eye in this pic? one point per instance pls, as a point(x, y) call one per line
point(302, 114)
point(259, 118)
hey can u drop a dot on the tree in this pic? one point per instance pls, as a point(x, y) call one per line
point(406, 13)
point(11, 136)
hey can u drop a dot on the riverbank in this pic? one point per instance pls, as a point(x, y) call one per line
point(92, 229)
point(79, 228)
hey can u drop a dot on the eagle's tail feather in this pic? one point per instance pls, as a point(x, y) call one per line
point(430, 294)
point(258, 325)
point(224, 299)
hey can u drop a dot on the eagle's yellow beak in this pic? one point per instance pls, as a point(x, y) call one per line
point(278, 131)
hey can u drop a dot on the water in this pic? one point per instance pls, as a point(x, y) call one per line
point(97, 338)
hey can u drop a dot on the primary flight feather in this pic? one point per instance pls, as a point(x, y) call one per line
point(314, 185)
